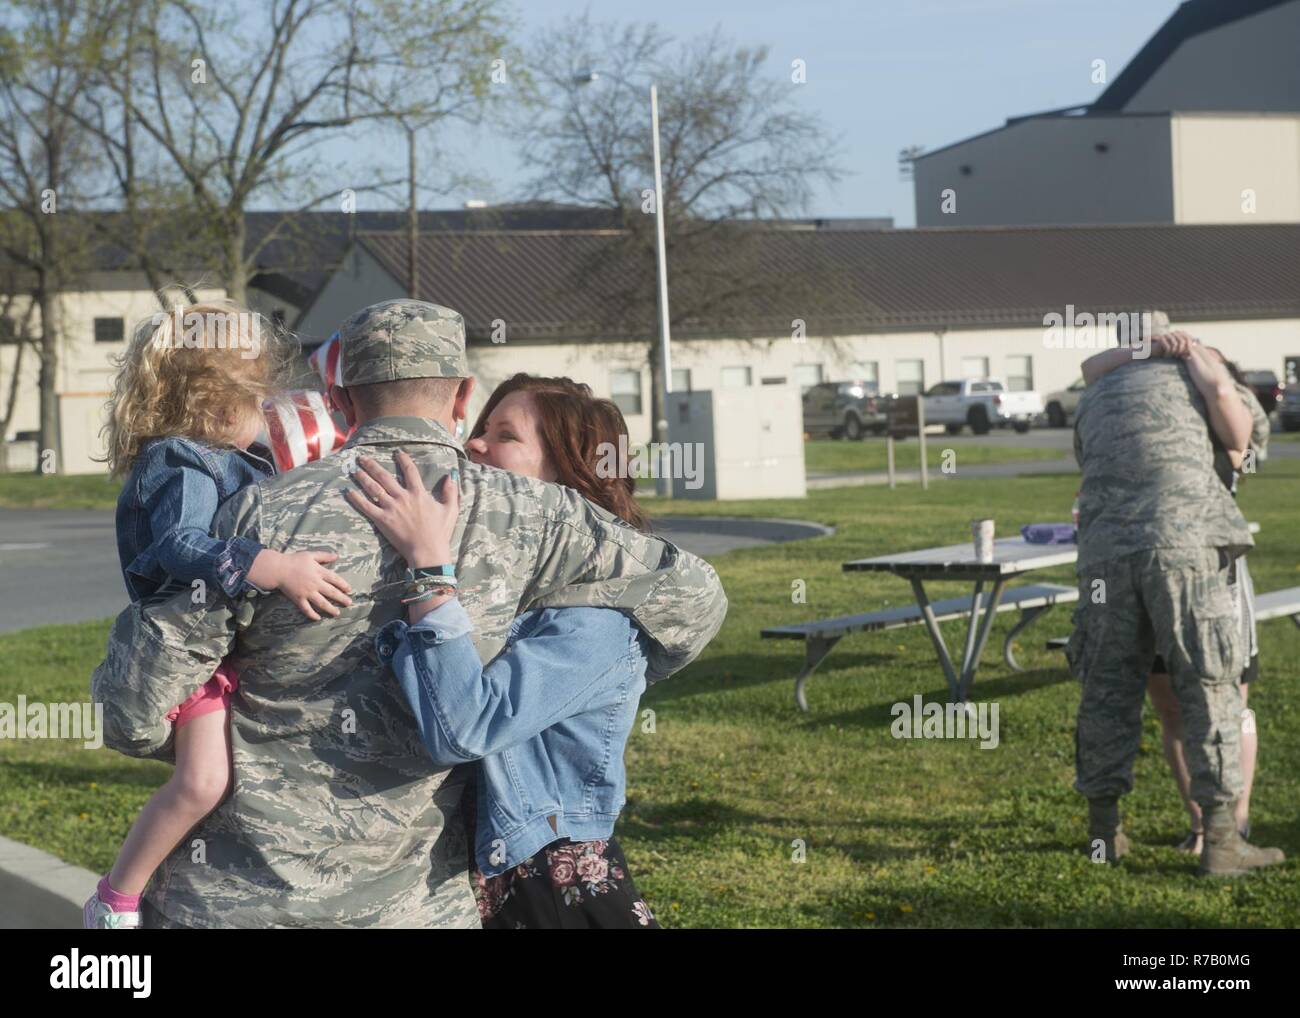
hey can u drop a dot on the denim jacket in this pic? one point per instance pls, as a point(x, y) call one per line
point(165, 512)
point(548, 718)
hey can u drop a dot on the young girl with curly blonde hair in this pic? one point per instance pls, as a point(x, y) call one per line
point(186, 406)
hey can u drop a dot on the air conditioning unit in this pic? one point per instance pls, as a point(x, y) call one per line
point(737, 443)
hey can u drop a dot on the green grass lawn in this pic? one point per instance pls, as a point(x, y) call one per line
point(58, 491)
point(826, 455)
point(896, 832)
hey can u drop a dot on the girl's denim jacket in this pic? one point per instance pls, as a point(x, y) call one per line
point(165, 512)
point(548, 718)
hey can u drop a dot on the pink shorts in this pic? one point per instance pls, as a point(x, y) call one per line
point(213, 695)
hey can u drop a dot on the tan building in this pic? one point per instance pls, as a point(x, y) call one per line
point(95, 320)
point(98, 313)
point(905, 308)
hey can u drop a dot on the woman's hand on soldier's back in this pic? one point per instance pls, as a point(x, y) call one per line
point(416, 523)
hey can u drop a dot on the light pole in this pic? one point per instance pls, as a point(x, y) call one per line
point(663, 483)
point(412, 219)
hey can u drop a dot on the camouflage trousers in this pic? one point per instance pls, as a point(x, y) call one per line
point(152, 919)
point(1177, 602)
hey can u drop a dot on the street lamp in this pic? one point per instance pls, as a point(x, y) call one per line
point(663, 485)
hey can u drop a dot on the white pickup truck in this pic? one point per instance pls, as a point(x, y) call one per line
point(981, 404)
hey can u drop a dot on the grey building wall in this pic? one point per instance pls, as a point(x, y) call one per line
point(1251, 65)
point(1050, 171)
point(358, 282)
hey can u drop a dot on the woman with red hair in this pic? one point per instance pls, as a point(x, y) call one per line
point(548, 719)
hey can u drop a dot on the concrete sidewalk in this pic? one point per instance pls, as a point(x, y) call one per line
point(819, 481)
point(39, 891)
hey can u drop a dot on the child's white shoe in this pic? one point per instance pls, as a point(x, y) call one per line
point(98, 916)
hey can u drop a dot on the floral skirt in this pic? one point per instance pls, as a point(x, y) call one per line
point(582, 885)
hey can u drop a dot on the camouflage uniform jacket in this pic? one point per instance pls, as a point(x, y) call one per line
point(1257, 448)
point(1142, 438)
point(337, 815)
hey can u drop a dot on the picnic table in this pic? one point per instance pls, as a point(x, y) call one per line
point(1012, 556)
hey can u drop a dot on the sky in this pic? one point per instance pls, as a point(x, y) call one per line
point(881, 75)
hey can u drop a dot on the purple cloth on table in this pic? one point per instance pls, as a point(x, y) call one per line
point(1048, 533)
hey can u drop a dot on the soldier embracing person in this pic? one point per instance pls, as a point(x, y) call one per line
point(1159, 535)
point(337, 816)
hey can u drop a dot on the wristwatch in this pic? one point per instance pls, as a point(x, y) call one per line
point(430, 573)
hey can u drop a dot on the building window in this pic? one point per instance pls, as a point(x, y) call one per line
point(974, 367)
point(1020, 373)
point(681, 379)
point(773, 380)
point(109, 330)
point(737, 378)
point(866, 371)
point(625, 390)
point(807, 375)
point(910, 376)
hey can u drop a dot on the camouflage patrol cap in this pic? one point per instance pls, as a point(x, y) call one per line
point(402, 339)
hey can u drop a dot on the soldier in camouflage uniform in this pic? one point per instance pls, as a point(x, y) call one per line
point(1158, 533)
point(337, 816)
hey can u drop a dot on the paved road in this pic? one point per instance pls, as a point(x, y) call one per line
point(57, 565)
point(1049, 438)
point(1037, 438)
point(1018, 469)
point(712, 535)
point(1045, 438)
point(60, 565)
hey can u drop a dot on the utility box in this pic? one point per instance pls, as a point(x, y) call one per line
point(737, 443)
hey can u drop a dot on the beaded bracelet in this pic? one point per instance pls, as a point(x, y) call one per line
point(428, 591)
point(425, 582)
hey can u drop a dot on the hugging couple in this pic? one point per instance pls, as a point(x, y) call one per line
point(339, 658)
point(1165, 603)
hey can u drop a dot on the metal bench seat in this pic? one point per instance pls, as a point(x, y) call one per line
point(820, 636)
point(1276, 604)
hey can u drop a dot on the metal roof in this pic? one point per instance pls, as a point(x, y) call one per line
point(572, 284)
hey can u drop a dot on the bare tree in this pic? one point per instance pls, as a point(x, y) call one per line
point(737, 155)
point(153, 215)
point(239, 107)
point(43, 159)
point(479, 71)
point(15, 331)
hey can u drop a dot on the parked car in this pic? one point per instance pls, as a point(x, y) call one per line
point(844, 409)
point(980, 404)
point(1289, 408)
point(1266, 387)
point(1062, 404)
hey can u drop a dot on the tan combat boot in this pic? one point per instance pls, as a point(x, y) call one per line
point(1227, 853)
point(1104, 831)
